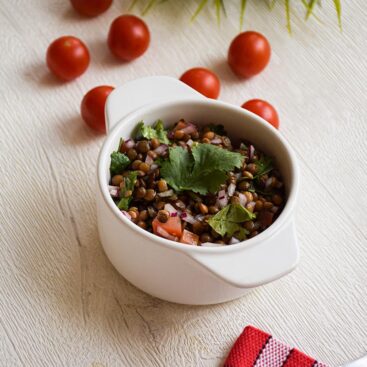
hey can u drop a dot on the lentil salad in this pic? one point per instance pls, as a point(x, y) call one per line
point(193, 185)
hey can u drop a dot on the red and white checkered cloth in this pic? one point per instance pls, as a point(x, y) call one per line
point(255, 348)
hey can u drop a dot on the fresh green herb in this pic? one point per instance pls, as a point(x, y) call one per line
point(129, 181)
point(227, 222)
point(152, 132)
point(202, 171)
point(217, 129)
point(263, 165)
point(243, 146)
point(119, 162)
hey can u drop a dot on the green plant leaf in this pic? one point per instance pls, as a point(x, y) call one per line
point(149, 6)
point(129, 181)
point(338, 8)
point(242, 13)
point(152, 132)
point(288, 15)
point(310, 7)
point(119, 162)
point(133, 3)
point(271, 4)
point(199, 9)
point(201, 171)
point(218, 7)
point(228, 221)
point(264, 165)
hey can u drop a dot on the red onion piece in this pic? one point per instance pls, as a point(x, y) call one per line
point(161, 149)
point(170, 209)
point(222, 200)
point(153, 167)
point(199, 217)
point(188, 218)
point(268, 182)
point(189, 129)
point(126, 214)
point(216, 141)
point(274, 209)
point(250, 205)
point(129, 143)
point(114, 191)
point(251, 152)
point(234, 240)
point(163, 233)
point(165, 194)
point(149, 160)
point(243, 199)
point(174, 214)
point(190, 142)
point(179, 205)
point(231, 189)
point(151, 211)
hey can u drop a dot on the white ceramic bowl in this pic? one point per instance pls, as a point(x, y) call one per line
point(173, 271)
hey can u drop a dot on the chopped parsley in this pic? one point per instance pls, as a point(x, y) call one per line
point(119, 162)
point(152, 132)
point(129, 181)
point(202, 171)
point(263, 165)
point(227, 222)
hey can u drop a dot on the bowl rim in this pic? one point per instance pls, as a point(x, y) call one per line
point(158, 105)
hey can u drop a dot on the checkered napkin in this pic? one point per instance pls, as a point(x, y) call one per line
point(255, 348)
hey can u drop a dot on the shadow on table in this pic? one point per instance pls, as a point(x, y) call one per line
point(75, 132)
point(221, 67)
point(39, 75)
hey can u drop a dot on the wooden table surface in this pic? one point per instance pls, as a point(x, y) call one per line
point(61, 301)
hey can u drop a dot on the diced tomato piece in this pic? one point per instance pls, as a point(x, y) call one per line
point(189, 238)
point(162, 233)
point(173, 226)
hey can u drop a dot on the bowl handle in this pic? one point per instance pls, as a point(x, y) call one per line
point(255, 265)
point(143, 91)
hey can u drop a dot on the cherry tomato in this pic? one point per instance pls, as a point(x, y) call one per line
point(128, 37)
point(91, 8)
point(264, 110)
point(248, 54)
point(67, 57)
point(92, 107)
point(202, 80)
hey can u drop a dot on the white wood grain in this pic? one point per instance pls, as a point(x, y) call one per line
point(62, 303)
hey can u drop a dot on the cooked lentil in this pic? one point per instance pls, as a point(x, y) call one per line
point(258, 189)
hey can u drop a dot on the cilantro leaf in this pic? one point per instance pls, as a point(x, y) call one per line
point(129, 181)
point(263, 165)
point(119, 162)
point(176, 169)
point(152, 132)
point(243, 146)
point(210, 157)
point(201, 171)
point(227, 222)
